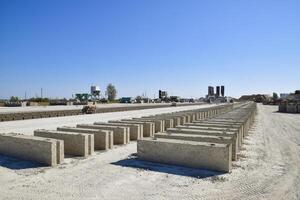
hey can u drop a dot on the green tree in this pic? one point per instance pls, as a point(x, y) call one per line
point(14, 99)
point(275, 96)
point(111, 92)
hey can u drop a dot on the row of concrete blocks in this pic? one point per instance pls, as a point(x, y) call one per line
point(35, 115)
point(83, 139)
point(289, 107)
point(211, 143)
point(46, 114)
point(164, 121)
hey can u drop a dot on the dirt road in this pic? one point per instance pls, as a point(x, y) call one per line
point(268, 168)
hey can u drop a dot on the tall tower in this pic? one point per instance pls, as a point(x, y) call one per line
point(210, 91)
point(218, 91)
point(223, 90)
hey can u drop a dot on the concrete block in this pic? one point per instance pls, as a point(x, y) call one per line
point(120, 134)
point(135, 130)
point(204, 155)
point(237, 131)
point(103, 138)
point(219, 125)
point(169, 123)
point(42, 150)
point(74, 143)
point(244, 126)
point(148, 127)
point(60, 151)
point(291, 108)
point(159, 124)
point(234, 135)
point(201, 138)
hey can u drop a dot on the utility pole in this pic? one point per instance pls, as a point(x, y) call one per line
point(41, 92)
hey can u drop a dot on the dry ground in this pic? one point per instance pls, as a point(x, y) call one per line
point(268, 168)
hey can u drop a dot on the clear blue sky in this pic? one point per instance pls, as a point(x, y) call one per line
point(143, 45)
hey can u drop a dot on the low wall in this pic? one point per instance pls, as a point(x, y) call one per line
point(103, 138)
point(74, 143)
point(159, 123)
point(45, 151)
point(148, 127)
point(135, 130)
point(59, 113)
point(209, 156)
point(201, 138)
point(120, 134)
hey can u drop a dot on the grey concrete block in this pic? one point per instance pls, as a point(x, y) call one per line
point(135, 130)
point(120, 134)
point(291, 108)
point(234, 135)
point(42, 150)
point(74, 143)
point(202, 138)
point(159, 123)
point(209, 156)
point(148, 127)
point(103, 138)
point(219, 125)
point(60, 151)
point(217, 128)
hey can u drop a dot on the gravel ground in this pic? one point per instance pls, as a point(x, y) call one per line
point(268, 167)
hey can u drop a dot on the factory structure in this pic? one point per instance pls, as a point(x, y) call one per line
point(218, 96)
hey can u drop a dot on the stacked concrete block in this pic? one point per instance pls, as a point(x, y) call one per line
point(237, 129)
point(232, 135)
point(42, 150)
point(120, 133)
point(158, 123)
point(103, 138)
point(167, 122)
point(220, 125)
point(291, 108)
point(74, 143)
point(135, 130)
point(148, 127)
point(213, 156)
point(220, 139)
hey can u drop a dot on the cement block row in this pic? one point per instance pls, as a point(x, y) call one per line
point(76, 144)
point(40, 114)
point(187, 153)
point(164, 121)
point(42, 150)
point(104, 139)
point(120, 133)
point(135, 130)
point(212, 127)
point(83, 139)
point(148, 127)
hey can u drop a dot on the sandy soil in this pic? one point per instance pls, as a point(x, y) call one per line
point(268, 168)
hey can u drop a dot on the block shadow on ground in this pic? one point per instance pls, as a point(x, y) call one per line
point(17, 164)
point(134, 162)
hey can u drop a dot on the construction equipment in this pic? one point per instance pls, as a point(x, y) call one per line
point(89, 109)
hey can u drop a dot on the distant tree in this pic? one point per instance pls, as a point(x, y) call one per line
point(138, 99)
point(111, 92)
point(14, 99)
point(275, 96)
